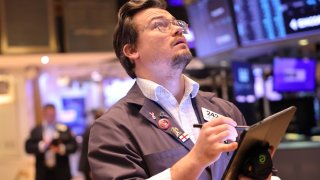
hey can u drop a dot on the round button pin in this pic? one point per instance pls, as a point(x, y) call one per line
point(164, 123)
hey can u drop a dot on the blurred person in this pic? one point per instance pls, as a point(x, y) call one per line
point(84, 163)
point(51, 143)
point(149, 133)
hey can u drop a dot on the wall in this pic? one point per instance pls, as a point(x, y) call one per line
point(17, 118)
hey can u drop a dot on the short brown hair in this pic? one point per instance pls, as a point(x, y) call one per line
point(49, 106)
point(126, 32)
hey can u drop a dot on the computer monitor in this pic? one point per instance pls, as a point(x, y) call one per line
point(213, 26)
point(274, 20)
point(294, 75)
point(243, 81)
point(304, 119)
point(73, 114)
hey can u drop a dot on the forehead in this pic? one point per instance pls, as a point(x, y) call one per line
point(49, 109)
point(147, 15)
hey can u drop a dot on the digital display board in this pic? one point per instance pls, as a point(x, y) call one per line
point(175, 2)
point(261, 21)
point(77, 120)
point(213, 27)
point(294, 75)
point(301, 16)
point(243, 81)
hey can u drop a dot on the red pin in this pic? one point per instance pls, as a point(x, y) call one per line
point(164, 123)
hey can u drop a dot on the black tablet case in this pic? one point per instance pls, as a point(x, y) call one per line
point(270, 130)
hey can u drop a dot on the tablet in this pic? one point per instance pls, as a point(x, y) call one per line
point(270, 130)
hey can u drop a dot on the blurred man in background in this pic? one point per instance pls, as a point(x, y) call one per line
point(51, 143)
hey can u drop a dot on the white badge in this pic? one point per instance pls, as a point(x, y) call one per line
point(209, 115)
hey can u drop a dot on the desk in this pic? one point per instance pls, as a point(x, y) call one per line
point(298, 160)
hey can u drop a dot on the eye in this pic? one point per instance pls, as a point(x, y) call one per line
point(160, 23)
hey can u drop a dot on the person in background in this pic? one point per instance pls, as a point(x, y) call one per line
point(84, 163)
point(149, 133)
point(51, 143)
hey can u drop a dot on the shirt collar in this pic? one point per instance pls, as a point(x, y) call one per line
point(192, 87)
point(153, 90)
point(47, 125)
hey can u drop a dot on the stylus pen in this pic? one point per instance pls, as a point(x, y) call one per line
point(239, 128)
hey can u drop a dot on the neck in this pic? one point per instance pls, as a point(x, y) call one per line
point(173, 83)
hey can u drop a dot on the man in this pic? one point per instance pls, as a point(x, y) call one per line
point(51, 143)
point(149, 133)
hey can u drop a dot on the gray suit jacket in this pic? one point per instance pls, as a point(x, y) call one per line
point(127, 143)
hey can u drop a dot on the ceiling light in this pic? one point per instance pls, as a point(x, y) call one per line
point(303, 42)
point(96, 76)
point(45, 59)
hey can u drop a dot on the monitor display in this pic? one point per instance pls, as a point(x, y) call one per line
point(269, 20)
point(213, 27)
point(175, 2)
point(243, 80)
point(304, 119)
point(74, 114)
point(294, 75)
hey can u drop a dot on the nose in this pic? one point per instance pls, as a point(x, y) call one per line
point(178, 30)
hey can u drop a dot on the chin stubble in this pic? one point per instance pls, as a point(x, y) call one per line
point(180, 61)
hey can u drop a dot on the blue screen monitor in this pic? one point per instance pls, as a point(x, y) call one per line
point(294, 75)
point(213, 27)
point(243, 80)
point(175, 2)
point(75, 107)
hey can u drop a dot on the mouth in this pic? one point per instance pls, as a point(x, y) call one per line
point(180, 41)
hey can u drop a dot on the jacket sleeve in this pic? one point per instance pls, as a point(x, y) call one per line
point(113, 152)
point(237, 115)
point(70, 142)
point(83, 162)
point(32, 143)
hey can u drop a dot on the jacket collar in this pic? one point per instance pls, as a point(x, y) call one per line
point(153, 112)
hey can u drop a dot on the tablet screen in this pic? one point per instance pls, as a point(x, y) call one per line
point(270, 130)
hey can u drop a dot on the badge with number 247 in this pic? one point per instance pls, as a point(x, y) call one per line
point(209, 115)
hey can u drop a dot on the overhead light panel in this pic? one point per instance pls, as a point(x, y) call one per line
point(45, 60)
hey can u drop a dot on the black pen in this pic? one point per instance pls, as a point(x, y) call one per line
point(239, 128)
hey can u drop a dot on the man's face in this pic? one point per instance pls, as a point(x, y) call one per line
point(49, 114)
point(160, 48)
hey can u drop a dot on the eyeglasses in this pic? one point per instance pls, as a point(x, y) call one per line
point(165, 25)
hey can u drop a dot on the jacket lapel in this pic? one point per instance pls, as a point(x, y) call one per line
point(162, 120)
point(202, 100)
point(198, 103)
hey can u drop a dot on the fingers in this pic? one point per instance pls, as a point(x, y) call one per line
point(221, 120)
point(271, 151)
point(223, 132)
point(223, 147)
point(220, 125)
point(211, 141)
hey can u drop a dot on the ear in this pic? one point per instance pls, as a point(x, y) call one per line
point(130, 51)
